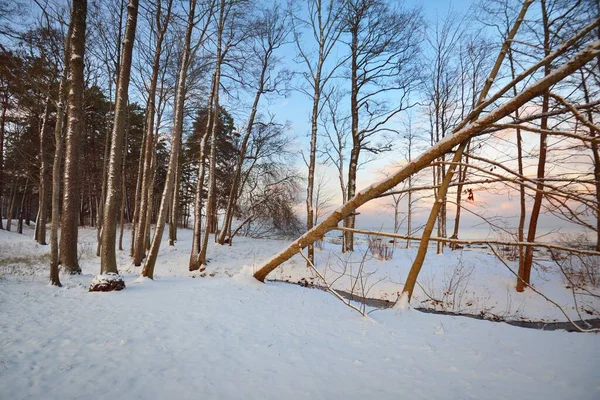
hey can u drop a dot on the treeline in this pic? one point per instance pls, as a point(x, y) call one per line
point(156, 115)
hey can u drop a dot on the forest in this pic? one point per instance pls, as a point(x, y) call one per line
point(241, 170)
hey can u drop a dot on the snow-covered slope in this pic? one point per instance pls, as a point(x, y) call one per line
point(227, 336)
point(184, 338)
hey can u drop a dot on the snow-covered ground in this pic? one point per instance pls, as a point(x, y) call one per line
point(227, 336)
point(462, 281)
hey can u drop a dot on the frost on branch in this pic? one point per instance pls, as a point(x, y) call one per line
point(107, 283)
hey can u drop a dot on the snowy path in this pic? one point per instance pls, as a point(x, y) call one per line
point(224, 338)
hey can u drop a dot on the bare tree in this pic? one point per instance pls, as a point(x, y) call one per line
point(272, 32)
point(442, 96)
point(325, 23)
point(383, 58)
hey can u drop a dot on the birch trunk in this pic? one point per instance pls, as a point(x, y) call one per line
point(108, 258)
point(58, 153)
point(175, 204)
point(2, 129)
point(100, 214)
point(138, 193)
point(75, 126)
point(123, 193)
point(348, 243)
point(40, 222)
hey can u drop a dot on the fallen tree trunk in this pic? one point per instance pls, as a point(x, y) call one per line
point(434, 152)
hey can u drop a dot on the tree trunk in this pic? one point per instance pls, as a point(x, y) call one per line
point(58, 153)
point(148, 270)
point(151, 204)
point(138, 193)
point(75, 126)
point(2, 129)
point(522, 203)
point(462, 176)
point(235, 190)
point(100, 214)
point(210, 201)
point(596, 155)
point(175, 204)
point(349, 222)
point(108, 259)
point(123, 193)
point(22, 207)
point(10, 207)
point(524, 277)
point(40, 222)
point(197, 235)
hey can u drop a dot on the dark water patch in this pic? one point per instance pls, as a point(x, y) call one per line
point(385, 304)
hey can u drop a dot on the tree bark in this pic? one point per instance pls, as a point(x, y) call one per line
point(108, 259)
point(2, 131)
point(123, 193)
point(58, 153)
point(75, 126)
point(10, 206)
point(522, 203)
point(175, 204)
point(21, 214)
point(348, 244)
point(101, 203)
point(40, 222)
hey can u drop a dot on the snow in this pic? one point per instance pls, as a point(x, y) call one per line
point(227, 336)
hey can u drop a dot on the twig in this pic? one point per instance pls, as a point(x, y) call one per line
point(329, 288)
